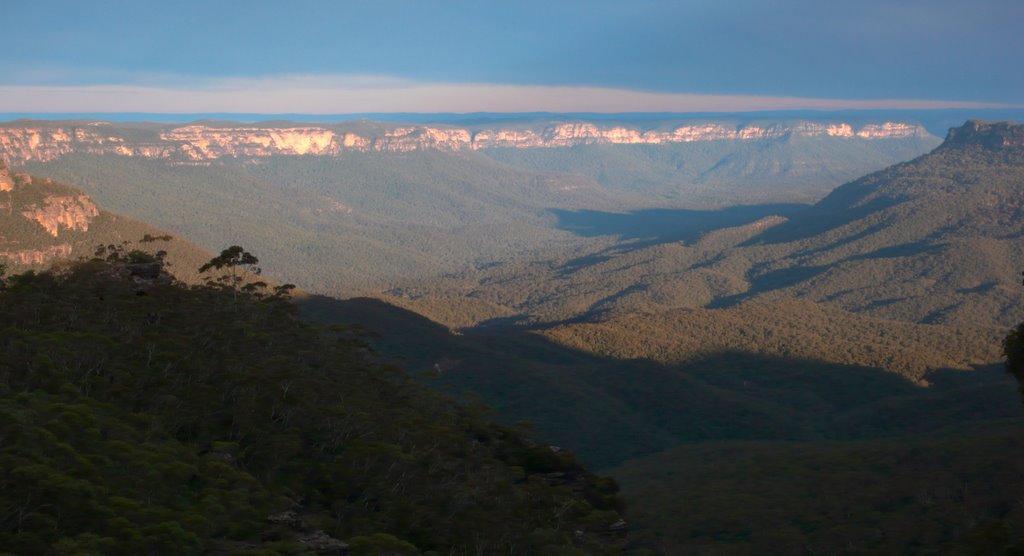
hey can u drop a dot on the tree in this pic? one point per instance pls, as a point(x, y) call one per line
point(237, 262)
point(1013, 349)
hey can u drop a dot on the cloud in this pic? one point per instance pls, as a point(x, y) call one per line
point(363, 94)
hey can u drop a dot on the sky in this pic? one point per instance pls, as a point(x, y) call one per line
point(340, 57)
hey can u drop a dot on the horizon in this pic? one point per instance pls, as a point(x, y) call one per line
point(602, 57)
point(936, 121)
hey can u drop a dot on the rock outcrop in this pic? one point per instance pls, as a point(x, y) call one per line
point(197, 143)
point(36, 257)
point(314, 539)
point(991, 135)
point(52, 207)
point(73, 212)
point(69, 211)
point(6, 181)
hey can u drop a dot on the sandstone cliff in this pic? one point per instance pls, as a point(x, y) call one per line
point(197, 143)
point(34, 214)
point(43, 221)
point(70, 212)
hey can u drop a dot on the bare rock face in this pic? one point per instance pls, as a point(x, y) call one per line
point(6, 182)
point(203, 143)
point(53, 207)
point(53, 212)
point(67, 212)
point(45, 143)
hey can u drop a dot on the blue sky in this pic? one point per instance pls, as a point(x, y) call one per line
point(336, 56)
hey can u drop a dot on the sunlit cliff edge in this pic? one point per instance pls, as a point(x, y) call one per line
point(22, 141)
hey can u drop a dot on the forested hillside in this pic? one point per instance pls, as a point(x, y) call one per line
point(796, 329)
point(719, 173)
point(610, 409)
point(936, 240)
point(142, 416)
point(774, 316)
point(956, 495)
point(43, 221)
point(343, 224)
point(415, 201)
point(674, 346)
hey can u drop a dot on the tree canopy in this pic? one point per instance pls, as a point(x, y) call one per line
point(141, 416)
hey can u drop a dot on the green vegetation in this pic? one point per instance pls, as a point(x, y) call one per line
point(909, 270)
point(342, 224)
point(141, 416)
point(795, 329)
point(25, 244)
point(910, 495)
point(1013, 349)
point(607, 409)
point(717, 173)
point(373, 220)
point(933, 241)
point(759, 386)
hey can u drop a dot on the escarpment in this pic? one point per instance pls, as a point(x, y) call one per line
point(35, 141)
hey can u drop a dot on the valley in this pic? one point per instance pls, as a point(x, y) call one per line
point(602, 283)
point(570, 278)
point(354, 219)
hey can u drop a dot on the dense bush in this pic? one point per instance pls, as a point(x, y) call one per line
point(139, 416)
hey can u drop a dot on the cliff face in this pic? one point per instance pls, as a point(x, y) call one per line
point(196, 143)
point(72, 212)
point(55, 209)
point(38, 143)
point(6, 182)
point(202, 142)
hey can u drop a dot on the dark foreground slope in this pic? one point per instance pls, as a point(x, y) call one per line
point(761, 455)
point(608, 409)
point(145, 417)
point(926, 495)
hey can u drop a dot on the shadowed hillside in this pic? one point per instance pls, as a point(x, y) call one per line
point(955, 494)
point(609, 409)
point(936, 240)
point(141, 416)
